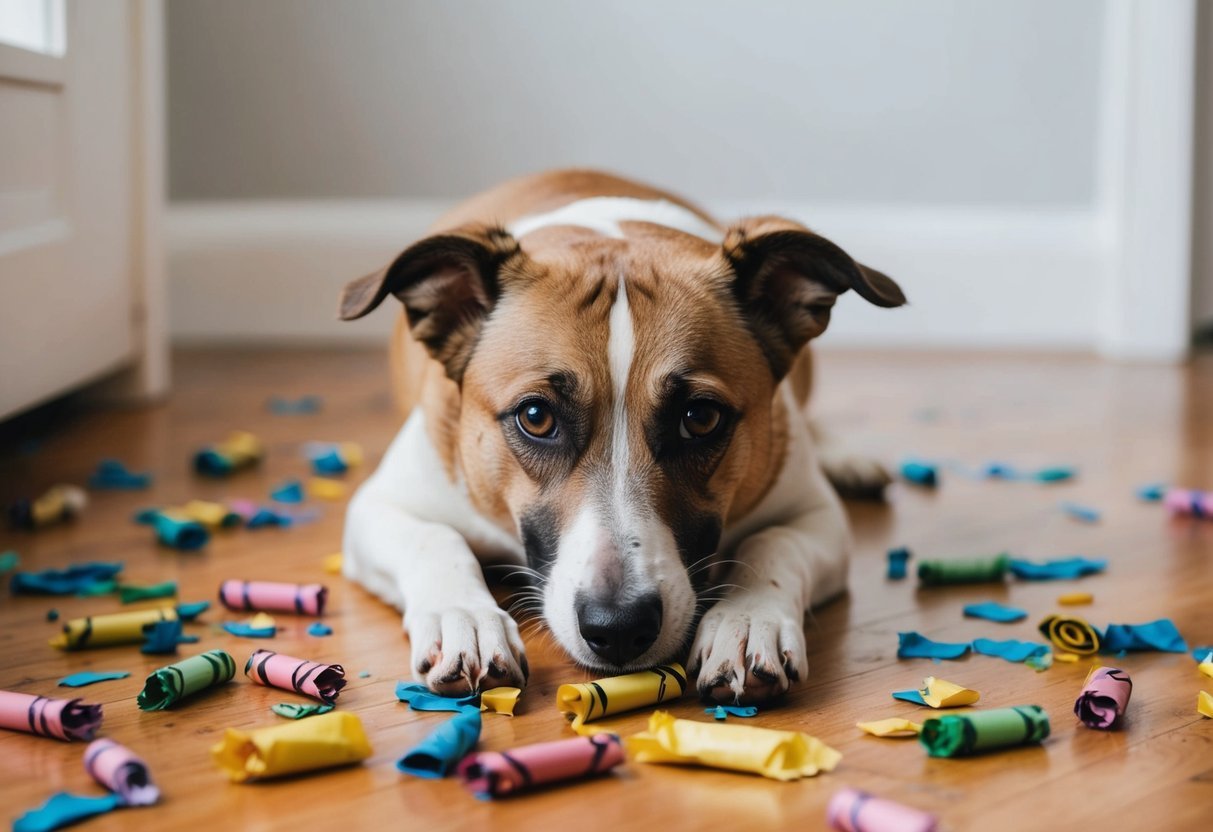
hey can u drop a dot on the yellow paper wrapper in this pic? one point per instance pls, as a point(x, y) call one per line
point(333, 563)
point(332, 739)
point(321, 488)
point(892, 727)
point(213, 515)
point(1075, 599)
point(779, 755)
point(1204, 704)
point(1069, 658)
point(588, 701)
point(500, 700)
point(939, 693)
point(114, 628)
point(1206, 666)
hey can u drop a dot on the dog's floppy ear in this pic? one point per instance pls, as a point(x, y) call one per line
point(785, 278)
point(448, 283)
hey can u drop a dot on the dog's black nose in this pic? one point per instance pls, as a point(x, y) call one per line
point(617, 630)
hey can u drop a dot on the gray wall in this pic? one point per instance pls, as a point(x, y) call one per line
point(924, 102)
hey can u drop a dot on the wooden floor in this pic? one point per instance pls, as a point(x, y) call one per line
point(1122, 426)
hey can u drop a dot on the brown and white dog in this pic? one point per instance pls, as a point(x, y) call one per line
point(607, 388)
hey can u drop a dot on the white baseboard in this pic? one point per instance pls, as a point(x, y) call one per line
point(270, 272)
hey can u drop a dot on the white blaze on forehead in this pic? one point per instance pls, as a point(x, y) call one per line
point(604, 213)
point(620, 346)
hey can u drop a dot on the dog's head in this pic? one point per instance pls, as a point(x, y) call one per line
point(617, 400)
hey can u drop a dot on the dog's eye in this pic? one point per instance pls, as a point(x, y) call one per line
point(699, 420)
point(536, 419)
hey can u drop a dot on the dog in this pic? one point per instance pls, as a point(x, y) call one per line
point(607, 388)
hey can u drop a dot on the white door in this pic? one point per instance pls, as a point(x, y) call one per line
point(70, 191)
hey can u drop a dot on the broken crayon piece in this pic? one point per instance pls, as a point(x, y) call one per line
point(957, 735)
point(851, 810)
point(175, 682)
point(121, 771)
point(319, 681)
point(968, 571)
point(238, 451)
point(129, 627)
point(322, 741)
point(1104, 697)
point(897, 563)
point(588, 701)
point(304, 599)
point(918, 472)
point(59, 504)
point(1190, 503)
point(492, 774)
point(63, 719)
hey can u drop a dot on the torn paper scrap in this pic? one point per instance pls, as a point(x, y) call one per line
point(162, 637)
point(437, 754)
point(333, 563)
point(957, 735)
point(290, 491)
point(115, 628)
point(1082, 513)
point(314, 679)
point(63, 809)
point(490, 774)
point(420, 698)
point(1204, 704)
point(324, 741)
point(892, 727)
point(1057, 570)
point(913, 645)
point(62, 719)
point(330, 458)
point(1075, 599)
point(60, 503)
point(178, 531)
point(1206, 665)
point(79, 680)
point(111, 474)
point(1104, 697)
point(1152, 492)
point(130, 593)
point(299, 710)
point(1013, 650)
point(1071, 634)
point(321, 488)
point(500, 700)
point(304, 405)
point(994, 611)
point(1161, 635)
point(304, 599)
point(897, 563)
point(779, 755)
point(919, 472)
point(78, 577)
point(319, 629)
point(121, 771)
point(9, 560)
point(239, 451)
point(939, 693)
point(260, 625)
point(851, 810)
point(587, 701)
point(1189, 502)
point(723, 712)
point(175, 682)
point(967, 571)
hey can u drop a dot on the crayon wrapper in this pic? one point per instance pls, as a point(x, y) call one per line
point(779, 755)
point(120, 770)
point(175, 682)
point(304, 599)
point(1071, 633)
point(115, 628)
point(851, 810)
point(499, 774)
point(62, 719)
point(959, 735)
point(588, 701)
point(333, 739)
point(1104, 697)
point(319, 681)
point(439, 753)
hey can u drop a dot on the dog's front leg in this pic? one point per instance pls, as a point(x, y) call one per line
point(461, 639)
point(750, 645)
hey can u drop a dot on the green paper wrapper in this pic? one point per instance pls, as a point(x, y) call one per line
point(295, 710)
point(171, 684)
point(968, 571)
point(129, 593)
point(957, 735)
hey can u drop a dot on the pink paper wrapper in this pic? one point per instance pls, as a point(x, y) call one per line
point(305, 599)
point(1190, 502)
point(63, 719)
point(501, 773)
point(1104, 698)
point(851, 810)
point(118, 769)
point(319, 681)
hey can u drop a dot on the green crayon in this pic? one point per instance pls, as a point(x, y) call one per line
point(170, 684)
point(958, 735)
point(969, 571)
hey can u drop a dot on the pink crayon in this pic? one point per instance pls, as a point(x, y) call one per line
point(319, 681)
point(118, 769)
point(1104, 698)
point(64, 719)
point(851, 810)
point(305, 599)
point(501, 773)
point(1190, 502)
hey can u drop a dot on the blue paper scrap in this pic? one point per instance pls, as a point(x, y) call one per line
point(79, 577)
point(319, 629)
point(302, 406)
point(722, 712)
point(1080, 512)
point(112, 475)
point(79, 680)
point(1160, 635)
point(897, 563)
point(1012, 650)
point(290, 491)
point(1061, 569)
point(1152, 492)
point(437, 754)
point(63, 809)
point(994, 611)
point(920, 472)
point(245, 630)
point(421, 698)
point(913, 645)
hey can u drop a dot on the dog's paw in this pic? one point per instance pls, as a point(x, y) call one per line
point(460, 650)
point(855, 476)
point(747, 654)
